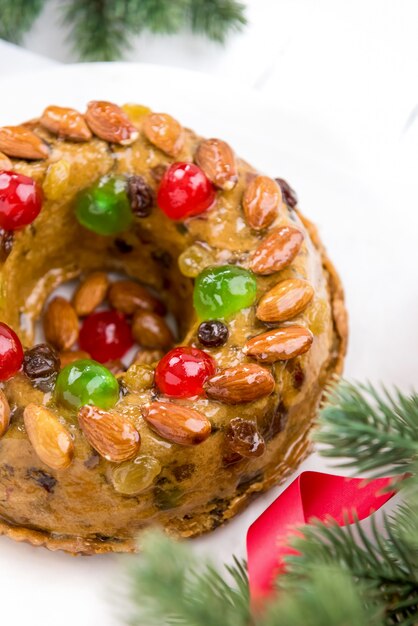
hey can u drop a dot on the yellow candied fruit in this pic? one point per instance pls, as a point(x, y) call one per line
point(139, 377)
point(195, 259)
point(317, 316)
point(136, 112)
point(135, 476)
point(57, 180)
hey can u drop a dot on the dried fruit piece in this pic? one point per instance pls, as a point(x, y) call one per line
point(127, 296)
point(64, 122)
point(86, 382)
point(60, 324)
point(177, 423)
point(57, 180)
point(110, 122)
point(139, 377)
point(20, 200)
point(243, 438)
point(147, 357)
point(105, 335)
point(288, 194)
point(104, 207)
point(11, 352)
point(70, 356)
point(212, 333)
point(284, 301)
point(280, 344)
point(261, 202)
point(5, 162)
point(277, 251)
point(4, 413)
point(50, 439)
point(151, 331)
point(113, 436)
point(135, 476)
point(135, 112)
point(183, 371)
point(195, 259)
point(185, 191)
point(140, 195)
point(222, 291)
point(21, 143)
point(242, 383)
point(165, 132)
point(217, 160)
point(6, 243)
point(91, 293)
point(41, 365)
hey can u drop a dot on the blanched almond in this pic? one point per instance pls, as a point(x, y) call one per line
point(151, 331)
point(4, 413)
point(110, 122)
point(70, 356)
point(50, 439)
point(113, 436)
point(60, 324)
point(164, 132)
point(177, 423)
point(286, 300)
point(277, 251)
point(90, 293)
point(21, 143)
point(261, 202)
point(64, 122)
point(216, 158)
point(127, 296)
point(243, 383)
point(280, 344)
point(5, 162)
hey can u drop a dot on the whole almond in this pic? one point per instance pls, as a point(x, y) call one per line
point(90, 293)
point(164, 132)
point(243, 383)
point(177, 423)
point(21, 143)
point(277, 251)
point(4, 413)
point(151, 331)
point(280, 344)
point(261, 202)
point(70, 356)
point(284, 301)
point(64, 122)
point(50, 439)
point(110, 122)
point(5, 162)
point(60, 324)
point(127, 296)
point(216, 158)
point(113, 436)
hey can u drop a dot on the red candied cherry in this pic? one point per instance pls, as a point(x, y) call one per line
point(11, 352)
point(106, 336)
point(182, 372)
point(20, 200)
point(185, 191)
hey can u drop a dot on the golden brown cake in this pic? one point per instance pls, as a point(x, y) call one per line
point(190, 437)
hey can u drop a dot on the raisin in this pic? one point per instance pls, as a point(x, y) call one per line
point(277, 423)
point(6, 243)
point(163, 258)
point(122, 246)
point(140, 196)
point(44, 480)
point(289, 194)
point(244, 438)
point(212, 333)
point(41, 365)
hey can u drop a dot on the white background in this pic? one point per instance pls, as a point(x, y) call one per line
point(349, 71)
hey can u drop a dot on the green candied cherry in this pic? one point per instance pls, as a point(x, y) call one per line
point(219, 292)
point(86, 382)
point(104, 208)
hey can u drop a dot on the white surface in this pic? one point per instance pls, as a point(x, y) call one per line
point(370, 236)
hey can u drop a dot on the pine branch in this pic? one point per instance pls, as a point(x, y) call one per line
point(375, 430)
point(17, 16)
point(215, 18)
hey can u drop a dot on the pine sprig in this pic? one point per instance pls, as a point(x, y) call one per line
point(17, 16)
point(215, 18)
point(376, 431)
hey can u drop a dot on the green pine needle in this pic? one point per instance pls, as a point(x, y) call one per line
point(17, 16)
point(376, 431)
point(215, 18)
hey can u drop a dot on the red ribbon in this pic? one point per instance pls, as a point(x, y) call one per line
point(312, 495)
